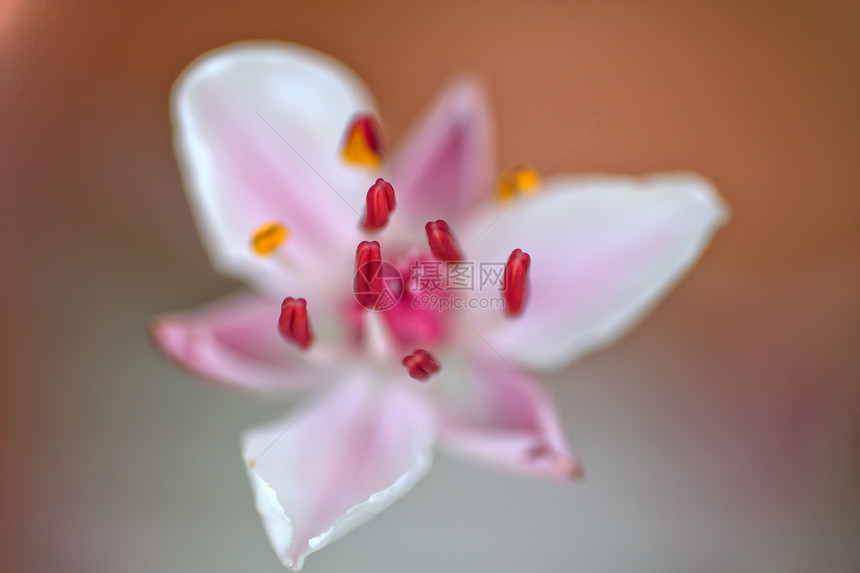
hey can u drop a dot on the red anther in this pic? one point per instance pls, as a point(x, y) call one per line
point(421, 364)
point(294, 323)
point(370, 130)
point(364, 143)
point(442, 241)
point(380, 202)
point(368, 274)
point(515, 281)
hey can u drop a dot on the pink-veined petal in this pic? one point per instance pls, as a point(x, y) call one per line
point(323, 471)
point(234, 342)
point(445, 164)
point(503, 418)
point(258, 132)
point(604, 249)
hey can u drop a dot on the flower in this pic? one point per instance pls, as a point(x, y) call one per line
point(295, 193)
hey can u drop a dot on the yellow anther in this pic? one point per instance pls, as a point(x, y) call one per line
point(269, 237)
point(519, 180)
point(363, 143)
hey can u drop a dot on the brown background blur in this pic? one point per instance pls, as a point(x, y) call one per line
point(726, 425)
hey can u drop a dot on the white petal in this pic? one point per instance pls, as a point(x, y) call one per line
point(234, 342)
point(258, 129)
point(604, 249)
point(445, 164)
point(319, 473)
point(494, 415)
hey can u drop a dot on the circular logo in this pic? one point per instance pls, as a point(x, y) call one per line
point(378, 285)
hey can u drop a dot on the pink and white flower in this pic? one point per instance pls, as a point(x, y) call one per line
point(260, 134)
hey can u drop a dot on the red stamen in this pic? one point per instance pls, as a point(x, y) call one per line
point(380, 202)
point(294, 323)
point(421, 364)
point(442, 241)
point(368, 274)
point(515, 281)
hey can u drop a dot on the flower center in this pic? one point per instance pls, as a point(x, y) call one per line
point(414, 315)
point(421, 314)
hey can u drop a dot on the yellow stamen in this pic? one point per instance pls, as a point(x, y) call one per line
point(519, 180)
point(269, 237)
point(363, 142)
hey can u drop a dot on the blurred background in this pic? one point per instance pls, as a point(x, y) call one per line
point(726, 426)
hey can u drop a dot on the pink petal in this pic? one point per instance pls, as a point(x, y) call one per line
point(235, 343)
point(321, 472)
point(258, 130)
point(604, 250)
point(446, 163)
point(494, 415)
